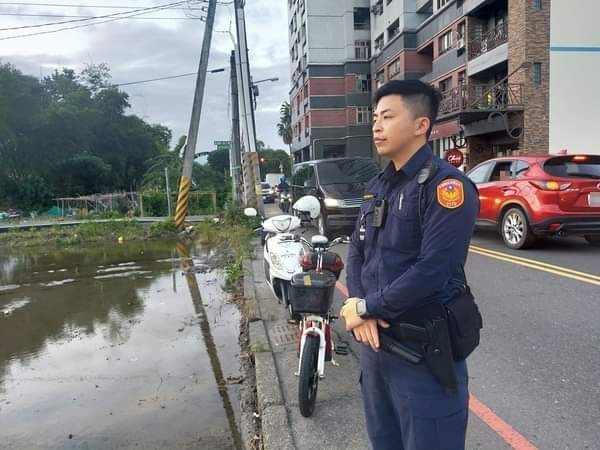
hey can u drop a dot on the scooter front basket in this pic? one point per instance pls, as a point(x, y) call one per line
point(312, 292)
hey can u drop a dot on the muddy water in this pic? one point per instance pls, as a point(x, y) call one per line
point(113, 347)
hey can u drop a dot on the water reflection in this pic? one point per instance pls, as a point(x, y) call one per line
point(105, 344)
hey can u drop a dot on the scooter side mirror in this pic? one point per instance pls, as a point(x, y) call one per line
point(250, 212)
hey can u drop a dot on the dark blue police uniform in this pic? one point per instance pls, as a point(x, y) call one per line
point(415, 258)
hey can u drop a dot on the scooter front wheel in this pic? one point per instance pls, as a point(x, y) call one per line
point(309, 376)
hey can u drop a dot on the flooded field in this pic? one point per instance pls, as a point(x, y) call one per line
point(114, 347)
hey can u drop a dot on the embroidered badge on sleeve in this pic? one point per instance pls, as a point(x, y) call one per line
point(451, 193)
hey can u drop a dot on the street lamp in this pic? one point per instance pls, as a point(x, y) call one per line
point(256, 92)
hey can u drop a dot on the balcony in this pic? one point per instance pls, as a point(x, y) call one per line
point(476, 101)
point(488, 41)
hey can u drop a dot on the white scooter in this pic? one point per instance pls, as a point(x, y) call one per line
point(283, 249)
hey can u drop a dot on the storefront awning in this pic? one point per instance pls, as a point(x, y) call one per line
point(445, 129)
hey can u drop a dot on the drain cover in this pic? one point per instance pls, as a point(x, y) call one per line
point(283, 334)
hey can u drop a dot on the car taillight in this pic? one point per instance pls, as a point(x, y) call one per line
point(550, 185)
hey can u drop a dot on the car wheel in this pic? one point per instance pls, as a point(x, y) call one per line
point(593, 240)
point(515, 230)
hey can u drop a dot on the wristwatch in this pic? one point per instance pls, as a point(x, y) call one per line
point(361, 309)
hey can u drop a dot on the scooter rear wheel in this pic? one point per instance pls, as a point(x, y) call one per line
point(309, 376)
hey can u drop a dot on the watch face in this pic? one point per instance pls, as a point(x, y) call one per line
point(361, 308)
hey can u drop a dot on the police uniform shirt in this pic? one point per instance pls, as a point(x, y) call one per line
point(413, 258)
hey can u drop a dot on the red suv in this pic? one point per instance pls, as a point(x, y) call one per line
point(530, 196)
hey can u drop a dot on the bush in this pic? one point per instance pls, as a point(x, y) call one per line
point(167, 226)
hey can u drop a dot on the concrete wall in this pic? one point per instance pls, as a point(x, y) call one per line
point(574, 71)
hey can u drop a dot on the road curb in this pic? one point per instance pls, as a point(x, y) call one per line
point(276, 429)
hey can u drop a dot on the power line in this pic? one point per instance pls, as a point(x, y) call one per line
point(74, 27)
point(92, 17)
point(189, 74)
point(70, 5)
point(148, 9)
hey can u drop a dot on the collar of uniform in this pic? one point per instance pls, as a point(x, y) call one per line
point(412, 166)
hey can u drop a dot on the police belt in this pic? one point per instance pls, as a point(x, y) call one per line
point(427, 327)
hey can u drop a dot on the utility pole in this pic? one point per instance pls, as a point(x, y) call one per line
point(190, 148)
point(246, 100)
point(235, 152)
point(168, 190)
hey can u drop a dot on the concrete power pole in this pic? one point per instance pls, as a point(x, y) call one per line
point(247, 112)
point(235, 153)
point(190, 148)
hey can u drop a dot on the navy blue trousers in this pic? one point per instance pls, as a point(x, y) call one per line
point(406, 408)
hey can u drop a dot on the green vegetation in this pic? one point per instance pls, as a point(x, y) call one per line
point(234, 234)
point(116, 231)
point(68, 135)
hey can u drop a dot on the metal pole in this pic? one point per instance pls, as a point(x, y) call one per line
point(235, 155)
point(190, 148)
point(168, 190)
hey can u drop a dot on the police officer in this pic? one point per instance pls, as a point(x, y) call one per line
point(408, 249)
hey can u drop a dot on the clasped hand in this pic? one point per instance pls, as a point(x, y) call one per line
point(364, 330)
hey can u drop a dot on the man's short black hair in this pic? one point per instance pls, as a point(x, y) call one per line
point(421, 98)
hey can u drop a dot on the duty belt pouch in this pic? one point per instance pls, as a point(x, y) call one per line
point(464, 324)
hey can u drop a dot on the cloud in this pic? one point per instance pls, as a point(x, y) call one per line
point(143, 49)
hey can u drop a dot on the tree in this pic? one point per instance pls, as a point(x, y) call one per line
point(218, 160)
point(83, 174)
point(70, 134)
point(284, 127)
point(272, 160)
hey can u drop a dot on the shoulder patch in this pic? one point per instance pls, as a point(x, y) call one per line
point(451, 193)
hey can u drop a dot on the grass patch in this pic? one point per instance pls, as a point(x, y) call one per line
point(85, 233)
point(234, 234)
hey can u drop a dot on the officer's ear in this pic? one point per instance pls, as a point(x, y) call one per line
point(422, 125)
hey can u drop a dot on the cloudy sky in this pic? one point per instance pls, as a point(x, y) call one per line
point(140, 49)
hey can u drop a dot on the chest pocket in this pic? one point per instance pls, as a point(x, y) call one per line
point(402, 228)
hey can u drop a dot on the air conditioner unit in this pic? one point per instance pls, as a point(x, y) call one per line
point(460, 43)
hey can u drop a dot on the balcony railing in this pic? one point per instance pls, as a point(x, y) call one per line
point(481, 97)
point(488, 41)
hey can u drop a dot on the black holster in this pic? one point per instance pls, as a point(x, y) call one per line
point(427, 327)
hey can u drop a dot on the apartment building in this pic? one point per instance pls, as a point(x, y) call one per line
point(574, 69)
point(330, 49)
point(490, 59)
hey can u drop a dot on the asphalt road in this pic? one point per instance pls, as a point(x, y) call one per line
point(535, 377)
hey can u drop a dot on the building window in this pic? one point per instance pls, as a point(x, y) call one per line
point(363, 115)
point(362, 19)
point(393, 29)
point(379, 79)
point(379, 43)
point(394, 68)
point(460, 33)
point(362, 49)
point(536, 74)
point(462, 78)
point(442, 3)
point(537, 4)
point(445, 42)
point(446, 85)
point(363, 83)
